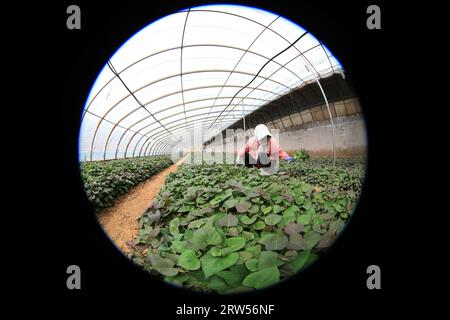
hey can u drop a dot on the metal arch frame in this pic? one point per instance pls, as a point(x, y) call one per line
point(177, 126)
point(194, 72)
point(148, 125)
point(102, 118)
point(300, 55)
point(144, 135)
point(255, 107)
point(158, 135)
point(117, 124)
point(177, 92)
point(222, 46)
point(148, 143)
point(316, 74)
point(164, 151)
point(157, 145)
point(98, 125)
point(176, 48)
point(182, 91)
point(242, 56)
point(172, 115)
point(181, 65)
point(142, 119)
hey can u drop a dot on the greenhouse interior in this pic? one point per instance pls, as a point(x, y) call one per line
point(174, 163)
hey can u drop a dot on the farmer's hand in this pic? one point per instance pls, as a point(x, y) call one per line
point(289, 159)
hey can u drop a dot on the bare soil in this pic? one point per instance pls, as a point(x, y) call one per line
point(120, 222)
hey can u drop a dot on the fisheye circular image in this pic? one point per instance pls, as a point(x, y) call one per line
point(222, 148)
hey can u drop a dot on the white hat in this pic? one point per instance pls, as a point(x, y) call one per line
point(261, 131)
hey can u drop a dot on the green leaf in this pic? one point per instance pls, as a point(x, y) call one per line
point(196, 224)
point(268, 259)
point(277, 208)
point(262, 278)
point(163, 266)
point(307, 188)
point(300, 261)
point(272, 219)
point(229, 220)
point(304, 219)
point(205, 236)
point(218, 284)
point(312, 238)
point(293, 228)
point(276, 241)
point(327, 239)
point(337, 225)
point(290, 215)
point(255, 250)
point(266, 209)
point(234, 275)
point(259, 225)
point(173, 226)
point(246, 220)
point(233, 231)
point(218, 198)
point(235, 243)
point(248, 235)
point(338, 207)
point(220, 252)
point(252, 265)
point(178, 246)
point(212, 265)
point(253, 209)
point(277, 199)
point(230, 203)
point(296, 242)
point(188, 260)
point(243, 206)
point(244, 256)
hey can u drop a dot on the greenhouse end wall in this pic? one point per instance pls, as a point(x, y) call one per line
point(316, 138)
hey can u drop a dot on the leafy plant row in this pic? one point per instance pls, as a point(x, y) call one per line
point(225, 229)
point(345, 178)
point(105, 181)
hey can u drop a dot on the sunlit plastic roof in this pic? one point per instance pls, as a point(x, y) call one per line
point(197, 70)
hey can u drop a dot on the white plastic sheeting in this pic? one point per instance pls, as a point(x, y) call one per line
point(190, 71)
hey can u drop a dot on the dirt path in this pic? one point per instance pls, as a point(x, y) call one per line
point(120, 222)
